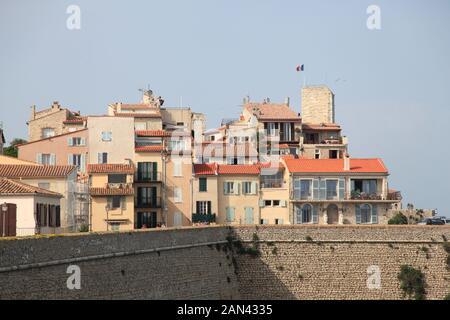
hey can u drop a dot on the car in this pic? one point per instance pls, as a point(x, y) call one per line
point(446, 220)
point(431, 221)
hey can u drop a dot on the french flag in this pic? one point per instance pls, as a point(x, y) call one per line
point(300, 68)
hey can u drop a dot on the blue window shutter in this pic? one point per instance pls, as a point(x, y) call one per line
point(228, 213)
point(315, 214)
point(374, 213)
point(298, 214)
point(358, 213)
point(341, 189)
point(323, 189)
point(232, 214)
point(315, 189)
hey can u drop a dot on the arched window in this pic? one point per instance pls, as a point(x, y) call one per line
point(366, 213)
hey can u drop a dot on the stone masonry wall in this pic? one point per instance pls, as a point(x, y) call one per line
point(317, 105)
point(295, 262)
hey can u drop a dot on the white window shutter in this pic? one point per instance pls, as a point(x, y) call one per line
point(261, 204)
point(39, 158)
point(70, 159)
point(283, 203)
point(99, 158)
point(83, 163)
point(237, 187)
point(253, 188)
point(70, 141)
point(52, 159)
point(83, 141)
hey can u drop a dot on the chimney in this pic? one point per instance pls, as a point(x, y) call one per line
point(119, 107)
point(33, 112)
point(346, 162)
point(286, 101)
point(56, 105)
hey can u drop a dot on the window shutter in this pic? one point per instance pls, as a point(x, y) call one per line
point(197, 207)
point(58, 216)
point(123, 203)
point(83, 163)
point(228, 213)
point(155, 170)
point(209, 207)
point(323, 189)
point(341, 189)
point(70, 159)
point(99, 158)
point(70, 142)
point(232, 214)
point(358, 213)
point(315, 214)
point(261, 204)
point(237, 188)
point(253, 187)
point(52, 159)
point(283, 203)
point(280, 221)
point(110, 202)
point(39, 158)
point(316, 189)
point(224, 188)
point(374, 214)
point(83, 141)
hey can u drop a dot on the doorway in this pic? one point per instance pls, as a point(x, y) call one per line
point(332, 214)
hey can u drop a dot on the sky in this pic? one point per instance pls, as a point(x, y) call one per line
point(391, 84)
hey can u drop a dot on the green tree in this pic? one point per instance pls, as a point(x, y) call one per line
point(12, 150)
point(399, 218)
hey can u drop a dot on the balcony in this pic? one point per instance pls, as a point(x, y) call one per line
point(118, 185)
point(203, 217)
point(394, 196)
point(272, 183)
point(356, 195)
point(148, 203)
point(148, 177)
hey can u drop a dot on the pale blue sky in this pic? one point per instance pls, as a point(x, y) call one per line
point(394, 103)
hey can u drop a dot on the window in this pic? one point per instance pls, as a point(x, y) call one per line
point(331, 189)
point(106, 136)
point(264, 221)
point(278, 221)
point(147, 197)
point(114, 202)
point(366, 213)
point(317, 154)
point(48, 132)
point(302, 189)
point(368, 186)
point(276, 203)
point(75, 160)
point(203, 184)
point(103, 158)
point(272, 180)
point(203, 207)
point(146, 220)
point(177, 172)
point(140, 126)
point(287, 131)
point(267, 203)
point(76, 141)
point(230, 214)
point(229, 187)
point(44, 185)
point(248, 187)
point(333, 154)
point(177, 194)
point(271, 129)
point(180, 123)
point(304, 213)
point(177, 145)
point(147, 171)
point(115, 226)
point(117, 178)
point(48, 159)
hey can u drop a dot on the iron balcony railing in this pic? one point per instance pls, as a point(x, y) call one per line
point(148, 176)
point(148, 203)
point(203, 217)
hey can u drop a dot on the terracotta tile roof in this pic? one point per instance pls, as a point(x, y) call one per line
point(149, 149)
point(11, 187)
point(75, 120)
point(335, 165)
point(152, 133)
point(110, 168)
point(321, 127)
point(205, 169)
point(98, 192)
point(138, 115)
point(33, 171)
point(272, 111)
point(252, 169)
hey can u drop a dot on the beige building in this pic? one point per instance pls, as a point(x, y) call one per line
point(38, 210)
point(112, 197)
point(53, 121)
point(70, 148)
point(339, 191)
point(317, 105)
point(56, 179)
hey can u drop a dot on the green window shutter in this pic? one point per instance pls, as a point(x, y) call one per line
point(358, 213)
point(203, 184)
point(209, 207)
point(315, 214)
point(374, 214)
point(341, 189)
point(155, 170)
point(315, 189)
point(323, 189)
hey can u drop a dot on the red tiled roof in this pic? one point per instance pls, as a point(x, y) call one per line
point(158, 148)
point(34, 171)
point(138, 115)
point(321, 127)
point(252, 169)
point(205, 169)
point(110, 168)
point(98, 192)
point(272, 111)
point(11, 187)
point(152, 133)
point(335, 165)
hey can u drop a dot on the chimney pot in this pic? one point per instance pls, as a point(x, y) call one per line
point(346, 162)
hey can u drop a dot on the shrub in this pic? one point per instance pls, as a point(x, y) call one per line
point(412, 282)
point(399, 218)
point(447, 297)
point(308, 238)
point(274, 251)
point(83, 228)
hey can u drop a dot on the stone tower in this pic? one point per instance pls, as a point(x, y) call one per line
point(317, 105)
